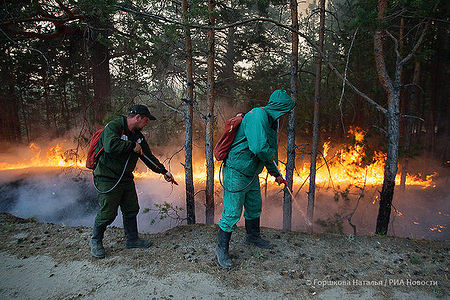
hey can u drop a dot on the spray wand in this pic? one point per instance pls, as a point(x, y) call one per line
point(285, 185)
point(172, 180)
point(292, 196)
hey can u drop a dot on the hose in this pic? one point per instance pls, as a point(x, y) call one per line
point(120, 178)
point(237, 191)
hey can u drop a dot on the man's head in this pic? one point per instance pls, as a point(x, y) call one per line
point(279, 104)
point(138, 117)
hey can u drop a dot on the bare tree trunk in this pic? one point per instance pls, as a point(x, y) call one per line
point(315, 139)
point(23, 109)
point(390, 169)
point(190, 201)
point(290, 163)
point(392, 89)
point(99, 64)
point(210, 120)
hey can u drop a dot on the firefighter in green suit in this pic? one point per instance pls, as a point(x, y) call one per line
point(254, 147)
point(123, 144)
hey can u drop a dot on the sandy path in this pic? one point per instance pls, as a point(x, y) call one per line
point(40, 277)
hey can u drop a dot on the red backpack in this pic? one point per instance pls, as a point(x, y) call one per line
point(91, 158)
point(223, 146)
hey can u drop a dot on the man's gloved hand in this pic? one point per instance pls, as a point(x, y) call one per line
point(169, 178)
point(137, 149)
point(280, 180)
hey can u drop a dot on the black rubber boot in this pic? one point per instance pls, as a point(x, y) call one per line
point(223, 243)
point(131, 233)
point(254, 234)
point(96, 243)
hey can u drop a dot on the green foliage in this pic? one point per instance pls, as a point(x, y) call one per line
point(414, 151)
point(166, 210)
point(333, 224)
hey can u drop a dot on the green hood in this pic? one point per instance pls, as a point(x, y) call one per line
point(279, 104)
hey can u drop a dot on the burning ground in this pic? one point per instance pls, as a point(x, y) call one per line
point(44, 260)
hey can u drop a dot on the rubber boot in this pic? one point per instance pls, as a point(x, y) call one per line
point(223, 243)
point(131, 233)
point(96, 243)
point(254, 234)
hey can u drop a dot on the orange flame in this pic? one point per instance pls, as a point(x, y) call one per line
point(55, 157)
point(346, 166)
point(437, 228)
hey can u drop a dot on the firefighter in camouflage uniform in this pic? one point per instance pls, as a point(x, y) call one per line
point(123, 144)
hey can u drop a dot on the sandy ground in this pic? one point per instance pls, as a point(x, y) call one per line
point(47, 261)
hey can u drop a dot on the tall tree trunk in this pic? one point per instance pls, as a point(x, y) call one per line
point(290, 163)
point(392, 90)
point(99, 64)
point(189, 115)
point(390, 169)
point(23, 109)
point(210, 119)
point(315, 138)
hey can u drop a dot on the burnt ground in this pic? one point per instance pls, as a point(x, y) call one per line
point(297, 267)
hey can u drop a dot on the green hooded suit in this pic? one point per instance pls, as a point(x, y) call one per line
point(254, 147)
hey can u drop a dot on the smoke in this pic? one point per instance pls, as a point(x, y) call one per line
point(59, 196)
point(66, 196)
